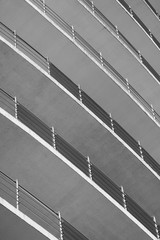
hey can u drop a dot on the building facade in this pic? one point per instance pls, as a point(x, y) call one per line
point(80, 119)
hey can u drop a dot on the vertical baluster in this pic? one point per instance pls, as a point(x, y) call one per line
point(153, 112)
point(111, 122)
point(48, 65)
point(73, 33)
point(150, 34)
point(92, 6)
point(101, 58)
point(128, 85)
point(89, 167)
point(140, 149)
point(131, 11)
point(53, 137)
point(80, 92)
point(15, 39)
point(15, 107)
point(117, 31)
point(17, 195)
point(60, 226)
point(140, 55)
point(156, 227)
point(44, 6)
point(124, 199)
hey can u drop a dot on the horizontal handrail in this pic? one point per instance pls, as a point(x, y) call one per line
point(18, 194)
point(67, 83)
point(119, 36)
point(140, 214)
point(71, 154)
point(95, 108)
point(112, 72)
point(139, 22)
point(70, 232)
point(42, 211)
point(86, 167)
point(107, 184)
point(152, 9)
point(18, 42)
point(64, 80)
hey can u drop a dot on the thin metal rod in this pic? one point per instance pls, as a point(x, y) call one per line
point(17, 195)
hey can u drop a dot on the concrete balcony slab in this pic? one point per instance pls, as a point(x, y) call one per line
point(61, 188)
point(79, 128)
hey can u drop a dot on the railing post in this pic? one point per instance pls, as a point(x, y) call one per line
point(44, 6)
point(15, 106)
point(150, 34)
point(127, 85)
point(153, 112)
point(131, 11)
point(140, 149)
point(156, 227)
point(92, 6)
point(15, 39)
point(48, 65)
point(140, 56)
point(89, 167)
point(101, 58)
point(60, 226)
point(117, 31)
point(80, 92)
point(111, 121)
point(53, 137)
point(73, 32)
point(17, 195)
point(124, 199)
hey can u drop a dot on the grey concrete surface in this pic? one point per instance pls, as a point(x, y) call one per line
point(146, 15)
point(77, 66)
point(60, 187)
point(12, 227)
point(83, 71)
point(156, 5)
point(80, 129)
point(111, 49)
point(22, 157)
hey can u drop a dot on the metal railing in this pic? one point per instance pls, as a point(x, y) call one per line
point(152, 9)
point(119, 36)
point(22, 45)
point(80, 95)
point(86, 100)
point(39, 212)
point(106, 66)
point(139, 22)
point(24, 201)
point(81, 162)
